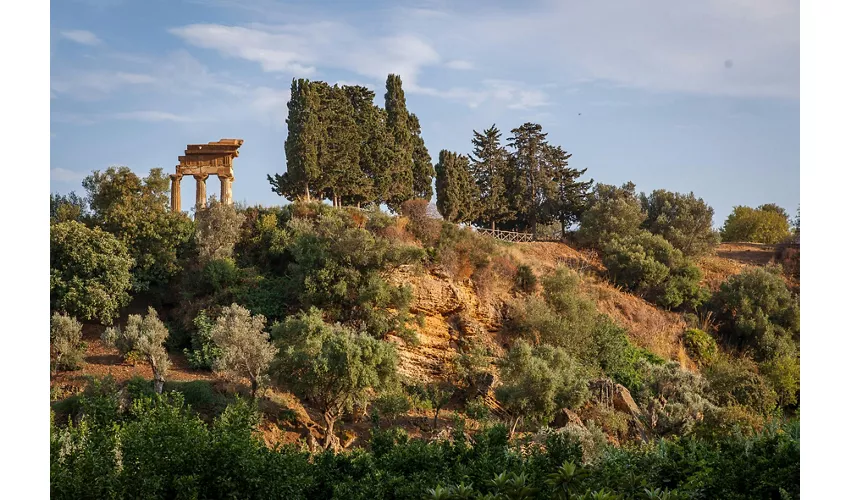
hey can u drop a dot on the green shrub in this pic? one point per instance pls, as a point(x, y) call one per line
point(244, 347)
point(536, 381)
point(392, 404)
point(204, 352)
point(144, 337)
point(783, 373)
point(217, 229)
point(683, 220)
point(611, 211)
point(648, 265)
point(700, 345)
point(736, 382)
point(525, 280)
point(757, 308)
point(674, 399)
point(477, 409)
point(66, 334)
point(89, 272)
point(764, 224)
point(220, 274)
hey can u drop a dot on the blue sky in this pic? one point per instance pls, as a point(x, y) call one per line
point(686, 96)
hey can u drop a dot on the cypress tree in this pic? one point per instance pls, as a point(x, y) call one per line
point(301, 179)
point(375, 145)
point(570, 195)
point(423, 170)
point(489, 166)
point(398, 177)
point(339, 151)
point(535, 182)
point(457, 193)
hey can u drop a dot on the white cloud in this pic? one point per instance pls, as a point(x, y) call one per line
point(657, 45)
point(460, 64)
point(65, 175)
point(81, 36)
point(88, 85)
point(147, 116)
point(300, 49)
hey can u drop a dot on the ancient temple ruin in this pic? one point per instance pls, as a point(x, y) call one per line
point(202, 160)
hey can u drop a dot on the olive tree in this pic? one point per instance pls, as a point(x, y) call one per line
point(65, 336)
point(245, 350)
point(144, 336)
point(89, 272)
point(539, 380)
point(217, 229)
point(682, 219)
point(331, 365)
point(610, 211)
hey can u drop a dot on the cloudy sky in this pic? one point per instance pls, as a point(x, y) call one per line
point(686, 96)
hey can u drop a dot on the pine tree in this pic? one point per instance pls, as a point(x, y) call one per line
point(301, 179)
point(534, 182)
point(398, 177)
point(489, 166)
point(570, 195)
point(457, 193)
point(423, 170)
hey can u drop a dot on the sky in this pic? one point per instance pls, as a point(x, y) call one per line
point(684, 96)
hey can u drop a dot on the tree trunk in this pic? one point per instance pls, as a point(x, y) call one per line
point(493, 225)
point(307, 192)
point(513, 427)
point(254, 386)
point(331, 441)
point(436, 417)
point(158, 383)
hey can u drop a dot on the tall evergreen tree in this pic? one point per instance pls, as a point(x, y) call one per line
point(423, 170)
point(489, 167)
point(398, 178)
point(457, 193)
point(339, 148)
point(570, 194)
point(302, 177)
point(535, 182)
point(375, 145)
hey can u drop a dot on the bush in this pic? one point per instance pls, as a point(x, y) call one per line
point(674, 399)
point(424, 227)
point(764, 224)
point(204, 352)
point(217, 229)
point(757, 308)
point(220, 274)
point(145, 337)
point(244, 345)
point(392, 404)
point(611, 211)
point(66, 335)
point(525, 280)
point(700, 345)
point(736, 382)
point(89, 272)
point(783, 373)
point(536, 381)
point(648, 264)
point(331, 365)
point(462, 251)
point(683, 220)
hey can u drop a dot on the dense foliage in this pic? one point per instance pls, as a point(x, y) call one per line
point(66, 335)
point(648, 265)
point(137, 212)
point(683, 220)
point(157, 446)
point(143, 337)
point(243, 345)
point(765, 224)
point(611, 211)
point(89, 272)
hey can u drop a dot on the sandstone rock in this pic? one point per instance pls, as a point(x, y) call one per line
point(623, 401)
point(566, 416)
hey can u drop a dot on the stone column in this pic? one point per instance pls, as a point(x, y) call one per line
point(175, 192)
point(200, 191)
point(226, 190)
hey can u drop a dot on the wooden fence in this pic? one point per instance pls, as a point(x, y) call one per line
point(508, 235)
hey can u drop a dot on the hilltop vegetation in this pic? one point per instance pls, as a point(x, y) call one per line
point(321, 350)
